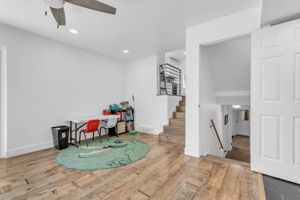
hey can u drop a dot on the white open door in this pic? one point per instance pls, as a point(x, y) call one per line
point(275, 101)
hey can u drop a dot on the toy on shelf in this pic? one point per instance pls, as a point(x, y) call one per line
point(106, 112)
point(124, 105)
point(114, 107)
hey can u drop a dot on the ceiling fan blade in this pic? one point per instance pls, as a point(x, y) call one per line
point(59, 15)
point(94, 5)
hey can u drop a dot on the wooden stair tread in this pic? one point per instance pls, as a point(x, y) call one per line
point(177, 120)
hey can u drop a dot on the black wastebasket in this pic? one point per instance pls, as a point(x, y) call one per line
point(60, 136)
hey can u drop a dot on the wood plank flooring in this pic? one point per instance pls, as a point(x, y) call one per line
point(164, 174)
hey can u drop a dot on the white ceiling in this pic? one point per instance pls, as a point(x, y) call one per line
point(274, 11)
point(230, 62)
point(144, 27)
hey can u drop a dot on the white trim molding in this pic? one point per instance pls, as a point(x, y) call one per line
point(3, 90)
point(28, 149)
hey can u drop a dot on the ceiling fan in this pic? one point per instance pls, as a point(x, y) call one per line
point(58, 12)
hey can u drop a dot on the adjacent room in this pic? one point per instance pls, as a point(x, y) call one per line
point(149, 100)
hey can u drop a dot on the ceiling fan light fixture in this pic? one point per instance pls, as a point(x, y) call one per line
point(74, 31)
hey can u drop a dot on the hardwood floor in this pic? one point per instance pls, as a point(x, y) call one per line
point(165, 173)
point(240, 149)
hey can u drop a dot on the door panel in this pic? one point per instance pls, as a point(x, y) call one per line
point(297, 141)
point(270, 137)
point(297, 77)
point(275, 101)
point(270, 78)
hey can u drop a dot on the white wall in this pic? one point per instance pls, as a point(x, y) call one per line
point(274, 11)
point(229, 128)
point(231, 26)
point(209, 109)
point(49, 82)
point(230, 61)
point(1, 148)
point(3, 101)
point(173, 102)
point(141, 81)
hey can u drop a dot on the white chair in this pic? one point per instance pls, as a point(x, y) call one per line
point(110, 123)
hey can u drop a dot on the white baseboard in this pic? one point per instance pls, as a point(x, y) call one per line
point(28, 149)
point(189, 152)
point(149, 129)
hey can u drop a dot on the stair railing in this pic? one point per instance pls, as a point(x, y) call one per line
point(217, 134)
point(170, 82)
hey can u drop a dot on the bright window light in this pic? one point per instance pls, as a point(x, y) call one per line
point(73, 31)
point(236, 106)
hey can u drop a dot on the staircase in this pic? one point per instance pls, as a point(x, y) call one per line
point(175, 131)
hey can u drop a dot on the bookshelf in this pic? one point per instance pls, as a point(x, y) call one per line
point(125, 121)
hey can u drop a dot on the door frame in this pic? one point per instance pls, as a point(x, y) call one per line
point(3, 102)
point(222, 29)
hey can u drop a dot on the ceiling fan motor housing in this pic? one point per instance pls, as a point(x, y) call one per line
point(55, 3)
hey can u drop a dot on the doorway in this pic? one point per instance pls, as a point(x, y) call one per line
point(241, 138)
point(229, 65)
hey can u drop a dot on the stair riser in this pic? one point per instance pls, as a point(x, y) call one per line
point(179, 115)
point(178, 131)
point(180, 109)
point(174, 127)
point(177, 124)
point(172, 139)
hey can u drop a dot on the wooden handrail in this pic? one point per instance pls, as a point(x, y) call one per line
point(216, 132)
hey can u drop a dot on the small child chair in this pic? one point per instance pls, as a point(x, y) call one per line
point(111, 123)
point(91, 127)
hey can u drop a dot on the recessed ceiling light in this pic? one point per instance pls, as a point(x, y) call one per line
point(236, 106)
point(125, 51)
point(184, 53)
point(74, 31)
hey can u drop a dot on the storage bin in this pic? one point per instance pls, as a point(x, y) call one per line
point(121, 128)
point(60, 136)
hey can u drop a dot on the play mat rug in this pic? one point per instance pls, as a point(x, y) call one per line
point(111, 153)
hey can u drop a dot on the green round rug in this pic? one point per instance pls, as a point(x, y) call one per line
point(128, 150)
